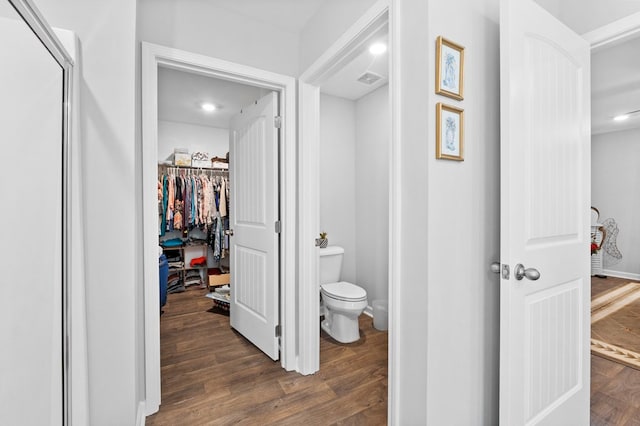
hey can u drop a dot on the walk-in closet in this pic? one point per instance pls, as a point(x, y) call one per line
point(194, 186)
point(193, 220)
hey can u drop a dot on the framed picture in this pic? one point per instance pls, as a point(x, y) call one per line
point(449, 132)
point(449, 69)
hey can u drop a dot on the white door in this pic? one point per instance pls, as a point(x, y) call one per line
point(254, 246)
point(545, 179)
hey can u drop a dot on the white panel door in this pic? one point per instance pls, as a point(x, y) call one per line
point(31, 333)
point(545, 200)
point(254, 246)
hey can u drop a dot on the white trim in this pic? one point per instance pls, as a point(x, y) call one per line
point(620, 274)
point(345, 49)
point(619, 30)
point(368, 311)
point(140, 414)
point(338, 54)
point(308, 226)
point(154, 56)
point(395, 210)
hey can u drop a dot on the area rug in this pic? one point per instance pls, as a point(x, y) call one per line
point(615, 325)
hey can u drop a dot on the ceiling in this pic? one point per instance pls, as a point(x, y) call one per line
point(344, 83)
point(287, 15)
point(583, 16)
point(615, 86)
point(181, 93)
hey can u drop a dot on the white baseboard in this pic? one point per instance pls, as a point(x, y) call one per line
point(368, 311)
point(619, 274)
point(140, 415)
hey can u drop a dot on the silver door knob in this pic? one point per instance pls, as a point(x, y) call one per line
point(528, 273)
point(495, 267)
point(228, 232)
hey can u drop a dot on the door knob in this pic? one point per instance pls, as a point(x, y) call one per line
point(528, 273)
point(495, 267)
point(228, 232)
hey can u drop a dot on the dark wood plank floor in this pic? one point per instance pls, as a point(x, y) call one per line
point(211, 375)
point(615, 388)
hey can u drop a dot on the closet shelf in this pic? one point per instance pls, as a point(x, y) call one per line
point(207, 169)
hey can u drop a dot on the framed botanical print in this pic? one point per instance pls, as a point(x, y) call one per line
point(449, 132)
point(449, 69)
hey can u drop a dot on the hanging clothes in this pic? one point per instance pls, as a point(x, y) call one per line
point(187, 200)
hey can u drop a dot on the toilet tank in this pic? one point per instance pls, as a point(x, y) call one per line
point(330, 264)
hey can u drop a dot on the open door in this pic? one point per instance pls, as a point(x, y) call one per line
point(254, 246)
point(545, 195)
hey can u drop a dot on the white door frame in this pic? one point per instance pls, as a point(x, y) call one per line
point(154, 56)
point(617, 31)
point(340, 53)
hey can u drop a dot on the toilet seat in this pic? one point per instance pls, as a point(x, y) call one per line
point(344, 291)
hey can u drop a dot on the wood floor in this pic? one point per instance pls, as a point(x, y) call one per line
point(615, 388)
point(212, 376)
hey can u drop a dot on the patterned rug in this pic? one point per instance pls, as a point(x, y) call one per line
point(615, 325)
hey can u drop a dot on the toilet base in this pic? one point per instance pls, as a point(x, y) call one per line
point(343, 328)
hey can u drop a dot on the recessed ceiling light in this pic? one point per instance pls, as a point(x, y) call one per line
point(377, 48)
point(207, 107)
point(621, 117)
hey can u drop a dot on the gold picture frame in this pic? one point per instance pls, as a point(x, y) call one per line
point(449, 69)
point(449, 132)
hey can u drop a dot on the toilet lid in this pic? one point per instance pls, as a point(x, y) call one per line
point(344, 291)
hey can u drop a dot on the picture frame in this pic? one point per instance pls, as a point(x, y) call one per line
point(449, 132)
point(449, 69)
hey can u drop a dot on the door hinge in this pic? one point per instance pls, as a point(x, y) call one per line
point(278, 330)
point(278, 227)
point(277, 121)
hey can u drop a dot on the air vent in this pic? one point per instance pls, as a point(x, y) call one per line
point(369, 78)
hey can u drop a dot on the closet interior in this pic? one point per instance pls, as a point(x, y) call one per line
point(194, 116)
point(193, 206)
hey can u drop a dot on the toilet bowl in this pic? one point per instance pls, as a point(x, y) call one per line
point(344, 302)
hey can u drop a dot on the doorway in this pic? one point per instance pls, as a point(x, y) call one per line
point(153, 58)
point(615, 345)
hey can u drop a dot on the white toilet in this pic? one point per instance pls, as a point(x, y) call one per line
point(343, 301)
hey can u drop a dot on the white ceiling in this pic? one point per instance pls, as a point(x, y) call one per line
point(287, 15)
point(615, 86)
point(180, 95)
point(583, 16)
point(344, 83)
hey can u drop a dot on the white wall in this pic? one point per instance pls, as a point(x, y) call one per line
point(448, 321)
point(337, 178)
point(202, 27)
point(107, 50)
point(464, 227)
point(615, 191)
point(330, 21)
point(196, 138)
point(372, 188)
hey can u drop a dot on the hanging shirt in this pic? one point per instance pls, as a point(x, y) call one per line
point(223, 198)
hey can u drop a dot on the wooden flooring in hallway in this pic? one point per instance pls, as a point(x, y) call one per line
point(615, 388)
point(211, 375)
